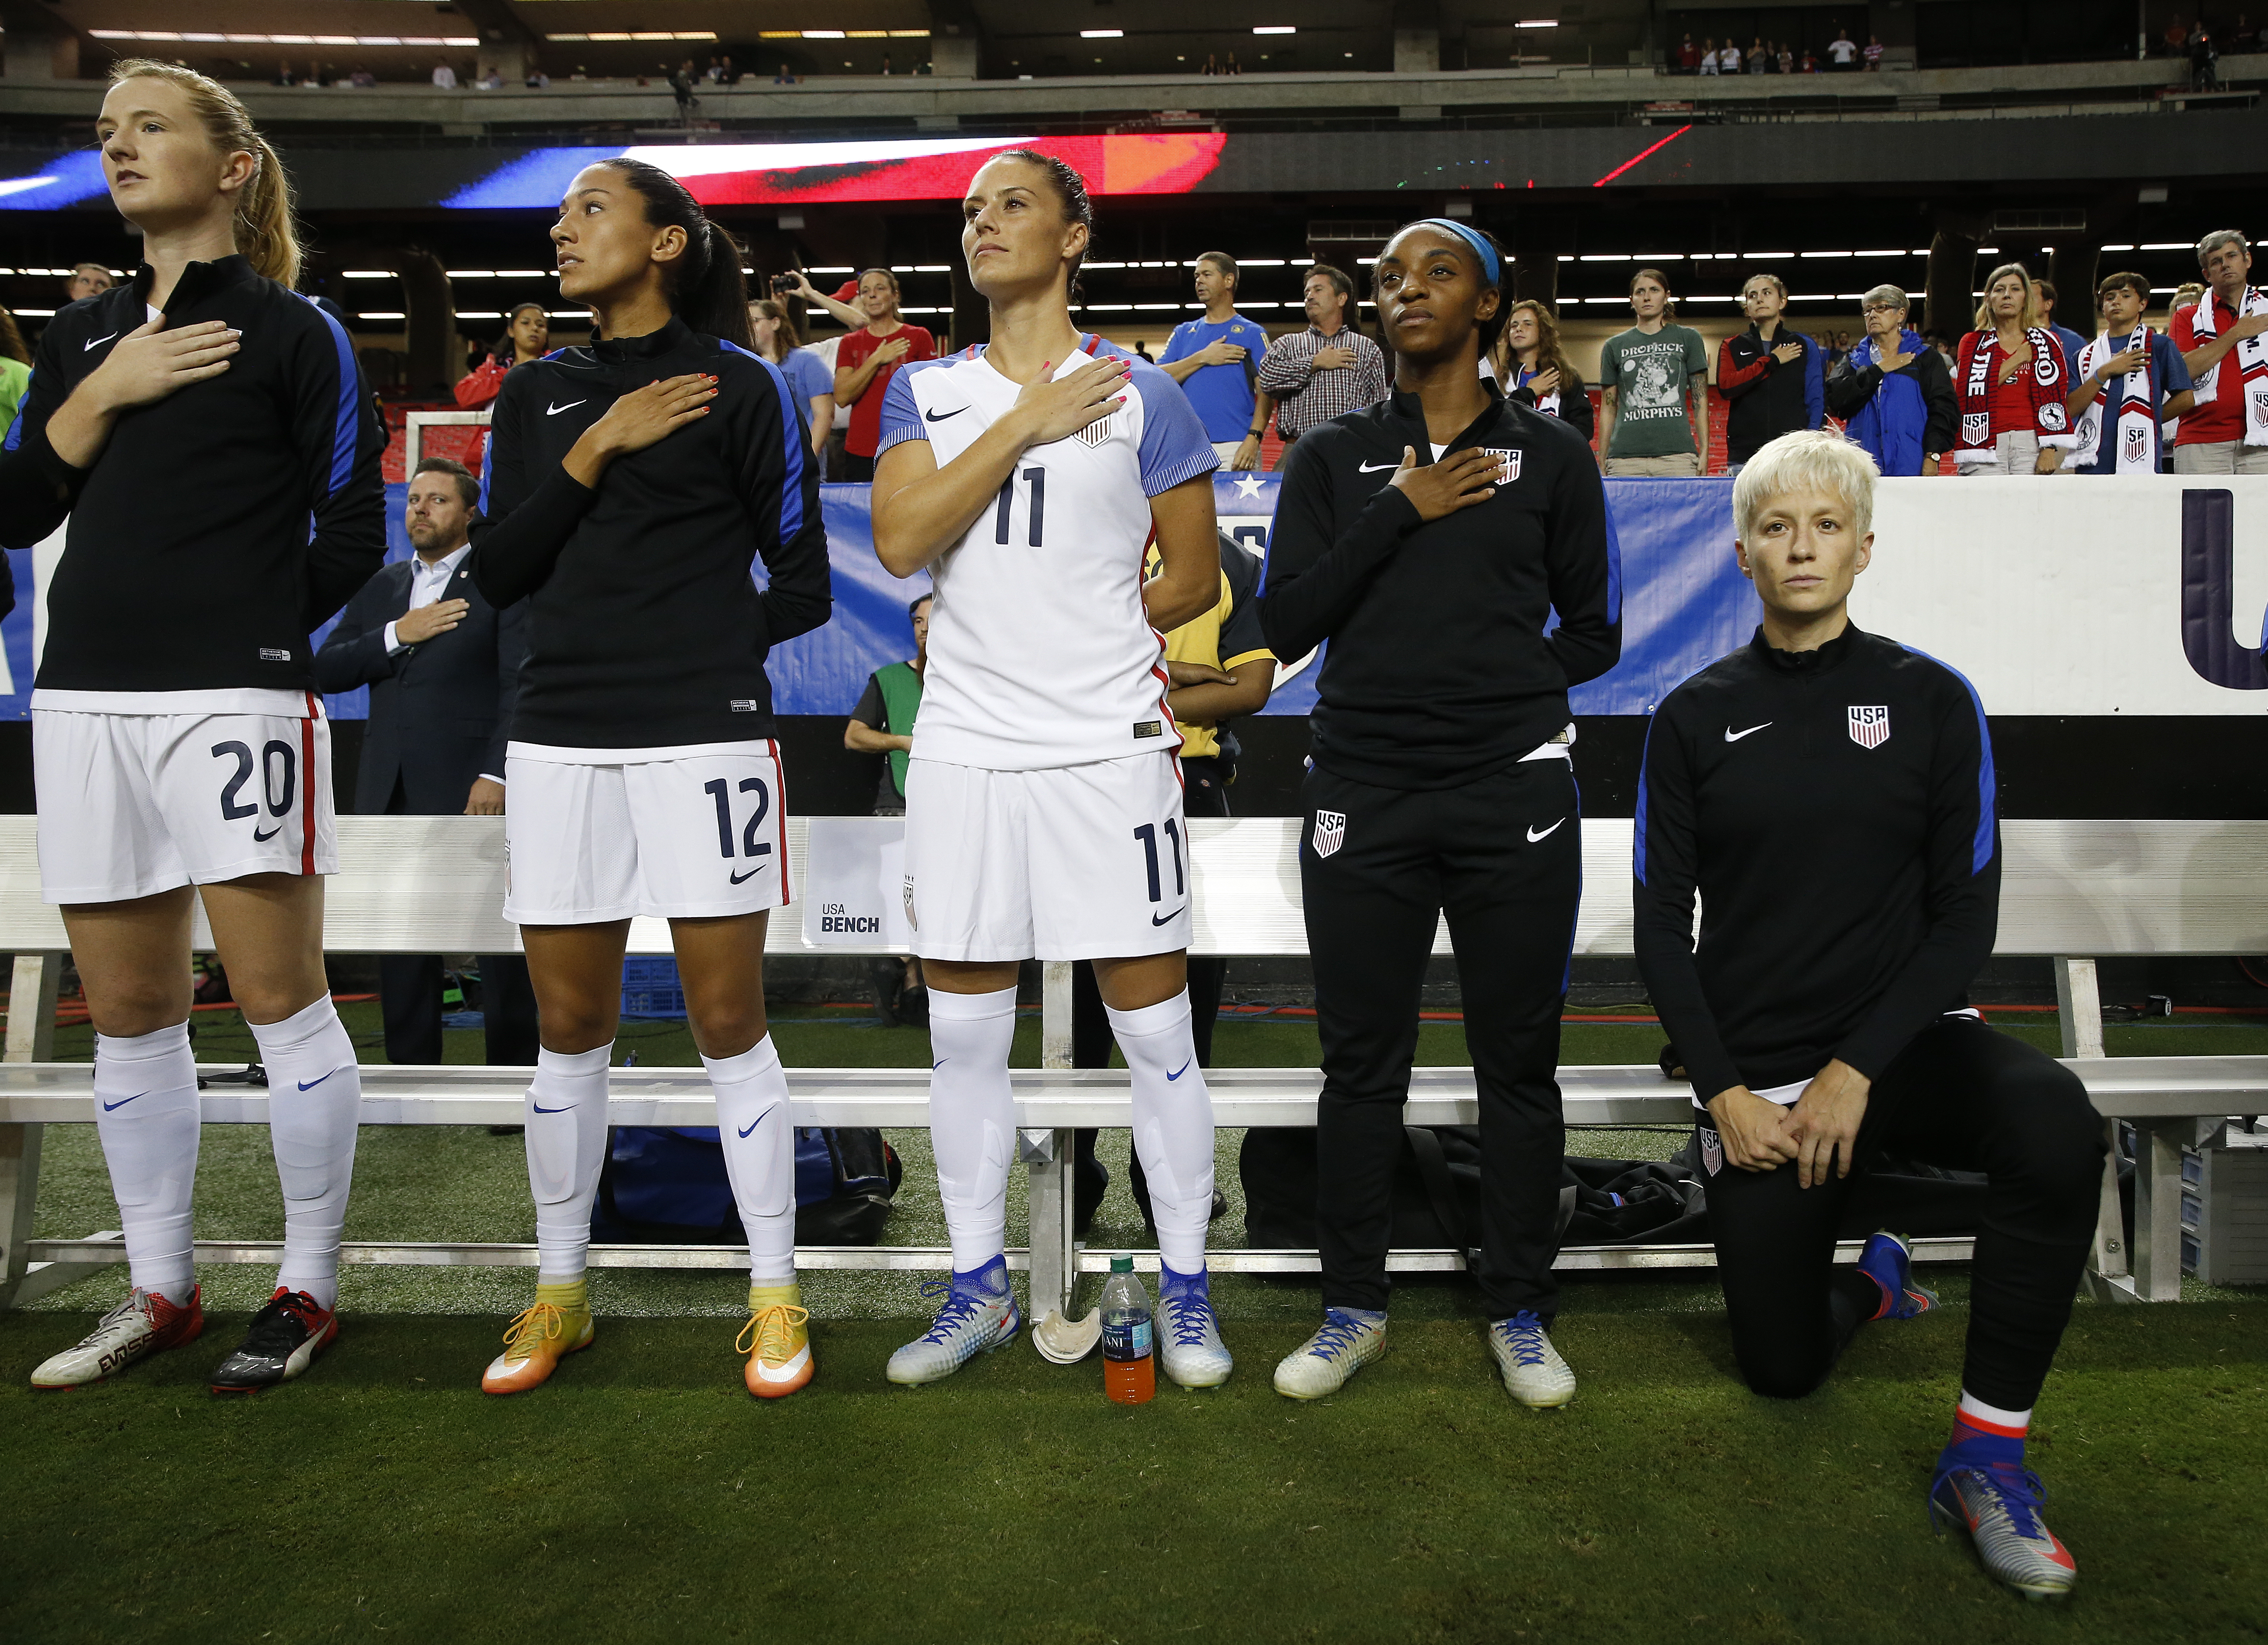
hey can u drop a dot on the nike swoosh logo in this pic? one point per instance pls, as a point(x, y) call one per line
point(1533, 835)
point(309, 1085)
point(1731, 736)
point(83, 347)
point(751, 875)
point(933, 1068)
point(570, 406)
point(940, 417)
point(1373, 467)
point(1179, 1072)
point(257, 836)
point(759, 1120)
point(1159, 919)
point(110, 1107)
point(541, 1110)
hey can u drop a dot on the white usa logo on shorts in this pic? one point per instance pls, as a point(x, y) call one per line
point(1330, 831)
point(911, 923)
point(1870, 728)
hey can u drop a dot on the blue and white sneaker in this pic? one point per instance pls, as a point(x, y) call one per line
point(1999, 1503)
point(1533, 1373)
point(1189, 1336)
point(979, 1316)
point(1323, 1363)
point(1890, 1265)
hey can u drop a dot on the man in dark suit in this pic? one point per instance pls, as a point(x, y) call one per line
point(442, 668)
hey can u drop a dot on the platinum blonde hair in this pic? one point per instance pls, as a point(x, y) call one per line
point(1811, 460)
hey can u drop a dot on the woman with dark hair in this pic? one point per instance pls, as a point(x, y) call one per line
point(1043, 799)
point(218, 465)
point(1447, 524)
point(633, 482)
point(527, 337)
point(1529, 363)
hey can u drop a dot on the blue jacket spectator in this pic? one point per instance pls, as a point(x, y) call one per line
point(1893, 391)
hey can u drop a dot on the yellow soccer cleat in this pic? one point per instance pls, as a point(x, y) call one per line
point(777, 1340)
point(558, 1322)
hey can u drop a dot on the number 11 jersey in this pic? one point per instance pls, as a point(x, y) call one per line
point(1040, 653)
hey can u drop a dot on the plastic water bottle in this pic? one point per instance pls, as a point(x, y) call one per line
point(1129, 1369)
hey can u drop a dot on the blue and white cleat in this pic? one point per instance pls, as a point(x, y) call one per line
point(1890, 1265)
point(979, 1316)
point(1189, 1336)
point(1999, 1503)
point(1533, 1373)
point(1323, 1363)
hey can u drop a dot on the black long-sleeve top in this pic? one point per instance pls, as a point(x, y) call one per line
point(1848, 390)
point(646, 627)
point(1575, 408)
point(1440, 671)
point(217, 525)
point(1834, 810)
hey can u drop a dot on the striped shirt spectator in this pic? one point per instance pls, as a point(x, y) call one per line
point(1328, 369)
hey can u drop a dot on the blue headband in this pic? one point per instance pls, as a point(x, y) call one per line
point(1488, 257)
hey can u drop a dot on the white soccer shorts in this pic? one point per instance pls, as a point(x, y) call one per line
point(698, 832)
point(133, 804)
point(1079, 862)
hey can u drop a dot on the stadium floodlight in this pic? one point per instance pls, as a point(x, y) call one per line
point(365, 315)
point(371, 274)
point(1275, 28)
point(1102, 33)
point(822, 33)
point(1537, 22)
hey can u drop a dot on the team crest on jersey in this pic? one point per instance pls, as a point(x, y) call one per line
point(1330, 831)
point(1507, 460)
point(1095, 432)
point(1870, 728)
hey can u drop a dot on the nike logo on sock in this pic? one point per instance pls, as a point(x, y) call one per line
point(933, 1068)
point(541, 1110)
point(309, 1085)
point(108, 1107)
point(1533, 835)
point(758, 1119)
point(1159, 919)
point(751, 875)
point(257, 836)
point(570, 406)
point(1731, 736)
point(1179, 1072)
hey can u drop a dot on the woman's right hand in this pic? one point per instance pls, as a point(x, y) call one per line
point(1754, 1131)
point(1544, 384)
point(1456, 482)
point(648, 416)
point(150, 363)
point(1057, 408)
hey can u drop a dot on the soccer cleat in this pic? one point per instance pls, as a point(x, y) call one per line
point(532, 1344)
point(1890, 1265)
point(1323, 1363)
point(1533, 1373)
point(979, 1316)
point(1999, 1503)
point(281, 1341)
point(1189, 1347)
point(144, 1324)
point(777, 1340)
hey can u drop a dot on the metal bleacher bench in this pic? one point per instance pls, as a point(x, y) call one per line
point(2072, 890)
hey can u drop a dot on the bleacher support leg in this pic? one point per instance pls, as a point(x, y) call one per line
point(2157, 1264)
point(2078, 1007)
point(31, 1038)
point(1048, 1156)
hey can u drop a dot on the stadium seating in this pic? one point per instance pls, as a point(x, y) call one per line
point(2073, 889)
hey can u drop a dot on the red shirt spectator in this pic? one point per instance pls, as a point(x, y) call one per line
point(866, 413)
point(2217, 421)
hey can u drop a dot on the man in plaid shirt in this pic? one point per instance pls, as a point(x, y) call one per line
point(1328, 369)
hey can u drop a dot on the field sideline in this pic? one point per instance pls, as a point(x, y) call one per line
point(643, 1496)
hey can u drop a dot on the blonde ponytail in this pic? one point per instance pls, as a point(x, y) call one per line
point(266, 234)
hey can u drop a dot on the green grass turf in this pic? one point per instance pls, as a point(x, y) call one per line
point(641, 1495)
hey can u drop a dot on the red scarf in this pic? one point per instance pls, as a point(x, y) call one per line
point(2046, 380)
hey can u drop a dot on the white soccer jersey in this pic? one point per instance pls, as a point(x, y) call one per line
point(1039, 654)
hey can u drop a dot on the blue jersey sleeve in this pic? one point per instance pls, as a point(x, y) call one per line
point(1174, 448)
point(1180, 344)
point(901, 418)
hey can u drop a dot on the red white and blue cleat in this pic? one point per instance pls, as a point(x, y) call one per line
point(1890, 1265)
point(144, 1324)
point(1999, 1503)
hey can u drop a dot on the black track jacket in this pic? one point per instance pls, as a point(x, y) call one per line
point(1440, 672)
point(1836, 811)
point(220, 524)
point(645, 629)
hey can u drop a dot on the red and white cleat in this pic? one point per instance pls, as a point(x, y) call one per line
point(144, 1324)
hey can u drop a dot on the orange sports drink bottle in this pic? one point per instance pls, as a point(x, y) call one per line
point(1130, 1367)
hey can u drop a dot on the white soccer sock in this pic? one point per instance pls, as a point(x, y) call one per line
point(145, 1092)
point(752, 1120)
point(566, 1112)
point(972, 1119)
point(314, 1104)
point(1173, 1126)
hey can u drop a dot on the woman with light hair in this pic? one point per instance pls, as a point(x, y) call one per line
point(1893, 391)
point(2011, 380)
point(1829, 796)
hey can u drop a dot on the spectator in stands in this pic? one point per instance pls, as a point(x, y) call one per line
point(865, 361)
point(2205, 59)
point(1893, 392)
point(527, 337)
point(784, 75)
point(810, 379)
point(1649, 374)
point(492, 80)
point(2011, 380)
point(362, 77)
point(2177, 38)
point(2186, 295)
point(87, 279)
point(1708, 56)
point(2244, 39)
point(1688, 56)
point(2224, 342)
point(2128, 382)
point(883, 724)
point(1327, 370)
point(444, 77)
point(680, 87)
point(536, 81)
point(1874, 54)
point(1775, 377)
point(1216, 361)
point(283, 76)
point(1759, 59)
point(2044, 298)
point(731, 74)
point(1728, 60)
point(1843, 51)
point(442, 666)
point(1785, 61)
point(827, 349)
point(1943, 345)
point(1530, 367)
point(15, 370)
point(1810, 60)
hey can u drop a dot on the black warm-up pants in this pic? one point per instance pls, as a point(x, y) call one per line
point(409, 995)
point(1502, 858)
point(1964, 1096)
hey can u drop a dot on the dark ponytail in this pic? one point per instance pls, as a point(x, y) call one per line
point(707, 290)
